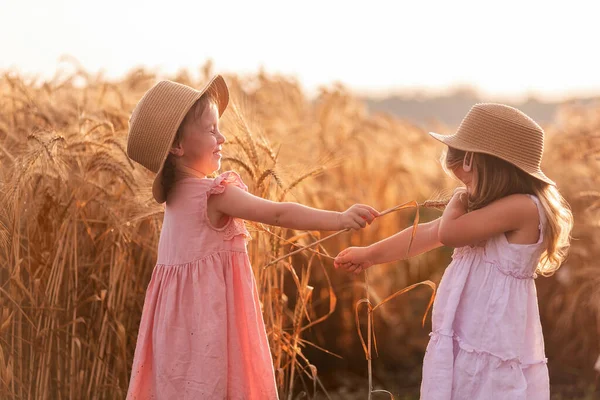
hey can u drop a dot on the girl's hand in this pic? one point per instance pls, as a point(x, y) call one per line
point(459, 202)
point(357, 216)
point(353, 259)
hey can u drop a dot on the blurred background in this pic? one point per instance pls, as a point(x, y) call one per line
point(331, 105)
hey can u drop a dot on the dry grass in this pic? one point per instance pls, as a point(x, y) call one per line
point(79, 231)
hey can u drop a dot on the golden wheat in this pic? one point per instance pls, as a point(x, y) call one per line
point(79, 232)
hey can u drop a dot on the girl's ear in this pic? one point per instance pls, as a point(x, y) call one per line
point(176, 150)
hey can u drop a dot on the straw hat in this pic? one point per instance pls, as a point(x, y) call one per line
point(156, 118)
point(501, 131)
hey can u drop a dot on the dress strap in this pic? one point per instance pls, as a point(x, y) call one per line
point(541, 215)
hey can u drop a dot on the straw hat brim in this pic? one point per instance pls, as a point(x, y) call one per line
point(456, 142)
point(217, 84)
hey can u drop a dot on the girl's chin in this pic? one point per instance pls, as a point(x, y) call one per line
point(216, 167)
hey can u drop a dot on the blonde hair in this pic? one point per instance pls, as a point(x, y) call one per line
point(495, 178)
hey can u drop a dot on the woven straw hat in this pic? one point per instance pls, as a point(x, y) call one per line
point(156, 118)
point(501, 131)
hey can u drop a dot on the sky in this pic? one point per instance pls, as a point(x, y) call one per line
point(504, 49)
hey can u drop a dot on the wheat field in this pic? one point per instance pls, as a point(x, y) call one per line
point(79, 232)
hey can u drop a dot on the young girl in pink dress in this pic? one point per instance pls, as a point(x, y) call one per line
point(508, 225)
point(202, 334)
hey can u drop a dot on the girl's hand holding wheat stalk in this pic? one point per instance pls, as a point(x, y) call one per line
point(357, 216)
point(410, 242)
point(438, 204)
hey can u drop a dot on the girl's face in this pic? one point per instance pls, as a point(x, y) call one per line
point(200, 144)
point(453, 160)
point(464, 176)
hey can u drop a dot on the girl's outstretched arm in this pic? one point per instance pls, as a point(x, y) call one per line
point(241, 204)
point(356, 259)
point(516, 212)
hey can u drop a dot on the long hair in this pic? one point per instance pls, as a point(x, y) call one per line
point(494, 178)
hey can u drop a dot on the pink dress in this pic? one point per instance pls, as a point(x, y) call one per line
point(202, 334)
point(486, 342)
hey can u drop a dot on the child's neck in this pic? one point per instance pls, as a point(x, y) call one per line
point(186, 171)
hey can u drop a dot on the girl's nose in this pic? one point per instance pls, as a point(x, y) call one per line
point(221, 138)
